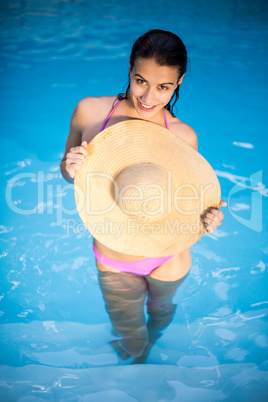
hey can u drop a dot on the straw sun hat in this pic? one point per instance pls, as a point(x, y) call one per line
point(142, 190)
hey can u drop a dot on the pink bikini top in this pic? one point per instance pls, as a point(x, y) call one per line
point(117, 103)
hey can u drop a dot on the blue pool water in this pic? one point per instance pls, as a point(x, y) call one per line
point(55, 332)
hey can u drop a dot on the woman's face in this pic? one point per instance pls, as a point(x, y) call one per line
point(151, 86)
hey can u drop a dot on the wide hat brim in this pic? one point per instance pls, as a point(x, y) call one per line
point(191, 188)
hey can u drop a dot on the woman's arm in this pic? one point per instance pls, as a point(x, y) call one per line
point(75, 151)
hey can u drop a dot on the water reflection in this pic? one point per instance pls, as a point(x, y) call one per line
point(124, 296)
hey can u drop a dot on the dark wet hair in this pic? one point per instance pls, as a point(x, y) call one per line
point(167, 49)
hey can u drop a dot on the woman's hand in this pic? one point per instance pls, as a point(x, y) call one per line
point(213, 218)
point(75, 158)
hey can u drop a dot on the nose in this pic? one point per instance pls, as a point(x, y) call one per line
point(148, 97)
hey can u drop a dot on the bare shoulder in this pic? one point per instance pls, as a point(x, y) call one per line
point(92, 108)
point(184, 131)
point(93, 103)
point(88, 113)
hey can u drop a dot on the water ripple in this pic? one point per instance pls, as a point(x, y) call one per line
point(243, 145)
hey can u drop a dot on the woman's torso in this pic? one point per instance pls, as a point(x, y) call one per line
point(179, 265)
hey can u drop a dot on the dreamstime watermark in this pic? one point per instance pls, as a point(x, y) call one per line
point(186, 200)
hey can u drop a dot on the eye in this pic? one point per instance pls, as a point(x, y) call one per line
point(163, 87)
point(140, 81)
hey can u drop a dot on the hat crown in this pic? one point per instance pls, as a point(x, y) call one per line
point(141, 191)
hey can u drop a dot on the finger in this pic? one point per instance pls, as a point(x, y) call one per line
point(75, 165)
point(79, 150)
point(71, 172)
point(72, 169)
point(211, 222)
point(72, 162)
point(217, 213)
point(209, 229)
point(84, 144)
point(213, 218)
point(76, 158)
point(72, 156)
point(223, 204)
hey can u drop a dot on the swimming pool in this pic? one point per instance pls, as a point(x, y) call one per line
point(54, 329)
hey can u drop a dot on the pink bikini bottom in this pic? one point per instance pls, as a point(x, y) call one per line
point(141, 268)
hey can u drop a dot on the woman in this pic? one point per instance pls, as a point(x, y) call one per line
point(157, 66)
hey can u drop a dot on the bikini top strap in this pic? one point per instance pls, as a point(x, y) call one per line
point(111, 112)
point(165, 117)
point(109, 115)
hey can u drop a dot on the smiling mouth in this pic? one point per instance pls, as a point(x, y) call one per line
point(145, 107)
